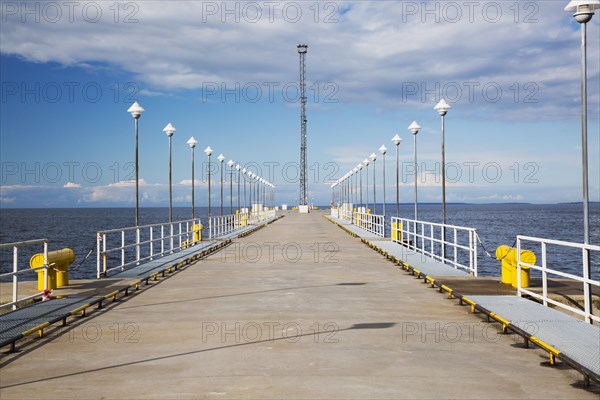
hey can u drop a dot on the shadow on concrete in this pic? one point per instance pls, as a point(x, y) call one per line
point(160, 303)
point(291, 338)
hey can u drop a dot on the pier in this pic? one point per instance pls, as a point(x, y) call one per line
point(298, 309)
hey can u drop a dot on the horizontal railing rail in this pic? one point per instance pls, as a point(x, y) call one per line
point(450, 244)
point(585, 279)
point(143, 239)
point(16, 272)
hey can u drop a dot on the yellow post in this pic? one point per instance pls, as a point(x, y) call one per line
point(58, 273)
point(394, 231)
point(197, 229)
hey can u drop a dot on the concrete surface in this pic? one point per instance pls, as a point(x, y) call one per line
point(298, 310)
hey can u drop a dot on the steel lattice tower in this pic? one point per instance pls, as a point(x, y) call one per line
point(302, 49)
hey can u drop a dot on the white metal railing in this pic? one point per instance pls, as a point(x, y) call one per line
point(225, 224)
point(346, 212)
point(129, 246)
point(372, 223)
point(335, 212)
point(16, 272)
point(585, 279)
point(450, 244)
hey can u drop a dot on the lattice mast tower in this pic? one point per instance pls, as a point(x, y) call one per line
point(302, 49)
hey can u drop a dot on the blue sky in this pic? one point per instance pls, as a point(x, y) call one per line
point(227, 74)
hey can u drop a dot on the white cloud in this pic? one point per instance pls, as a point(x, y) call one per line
point(71, 185)
point(376, 52)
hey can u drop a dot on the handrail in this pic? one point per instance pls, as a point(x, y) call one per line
point(16, 272)
point(372, 223)
point(431, 241)
point(144, 248)
point(585, 279)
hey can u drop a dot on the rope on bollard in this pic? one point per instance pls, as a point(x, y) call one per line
point(487, 253)
point(75, 268)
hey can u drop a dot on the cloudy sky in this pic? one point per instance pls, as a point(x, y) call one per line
point(227, 73)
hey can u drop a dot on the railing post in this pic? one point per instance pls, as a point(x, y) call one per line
point(137, 244)
point(544, 275)
point(45, 265)
point(456, 248)
point(179, 235)
point(15, 276)
point(123, 251)
point(151, 242)
point(104, 254)
point(162, 240)
point(98, 238)
point(519, 293)
point(170, 237)
point(586, 285)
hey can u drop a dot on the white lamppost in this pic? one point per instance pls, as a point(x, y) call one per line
point(170, 130)
point(414, 129)
point(383, 150)
point(192, 142)
point(373, 158)
point(208, 151)
point(355, 173)
point(238, 168)
point(584, 11)
point(397, 140)
point(366, 164)
point(244, 171)
point(442, 108)
point(359, 167)
point(136, 111)
point(221, 158)
point(230, 164)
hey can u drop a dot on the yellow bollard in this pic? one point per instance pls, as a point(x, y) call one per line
point(197, 229)
point(508, 257)
point(394, 231)
point(58, 273)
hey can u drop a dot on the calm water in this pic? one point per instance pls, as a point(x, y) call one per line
point(497, 224)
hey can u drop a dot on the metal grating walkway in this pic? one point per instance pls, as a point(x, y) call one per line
point(361, 233)
point(18, 322)
point(157, 264)
point(426, 265)
point(575, 338)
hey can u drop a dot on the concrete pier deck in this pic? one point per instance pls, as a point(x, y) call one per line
point(296, 310)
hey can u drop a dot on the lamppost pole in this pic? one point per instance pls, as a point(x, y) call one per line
point(383, 150)
point(366, 164)
point(414, 128)
point(221, 158)
point(230, 164)
point(238, 168)
point(136, 111)
point(584, 11)
point(208, 151)
point(442, 108)
point(397, 140)
point(192, 142)
point(245, 199)
point(373, 158)
point(359, 166)
point(170, 130)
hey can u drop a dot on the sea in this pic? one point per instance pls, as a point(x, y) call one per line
point(496, 224)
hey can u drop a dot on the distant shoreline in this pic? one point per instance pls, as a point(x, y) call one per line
point(324, 206)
